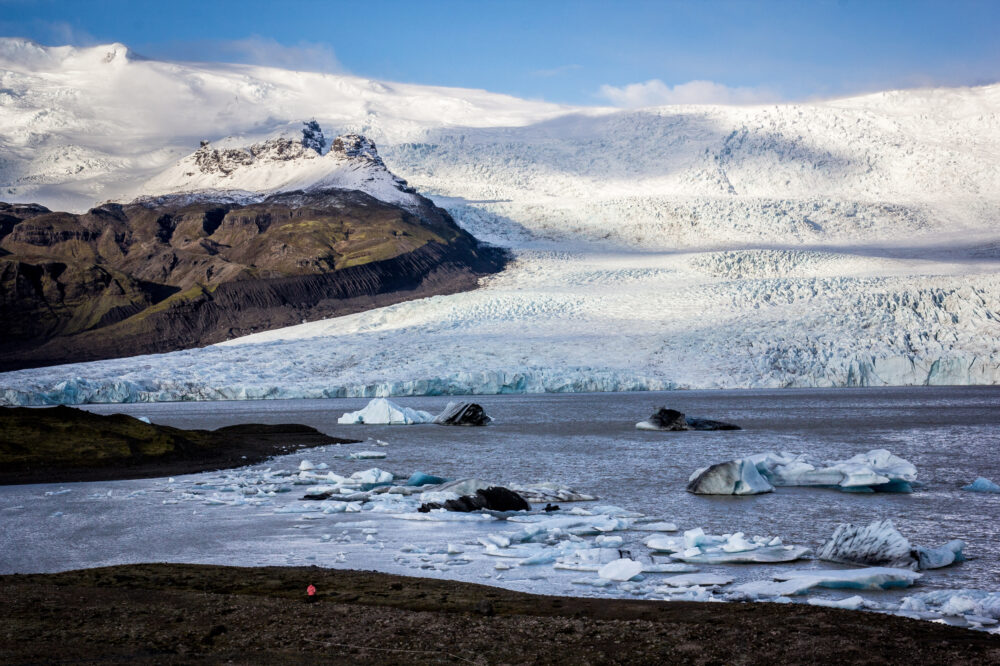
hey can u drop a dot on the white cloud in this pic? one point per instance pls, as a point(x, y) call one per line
point(304, 56)
point(656, 93)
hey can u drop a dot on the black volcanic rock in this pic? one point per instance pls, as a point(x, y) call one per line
point(178, 271)
point(672, 420)
point(494, 498)
point(462, 414)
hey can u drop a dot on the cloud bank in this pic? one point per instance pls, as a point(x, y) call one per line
point(656, 93)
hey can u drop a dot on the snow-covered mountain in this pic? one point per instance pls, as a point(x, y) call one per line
point(283, 164)
point(850, 241)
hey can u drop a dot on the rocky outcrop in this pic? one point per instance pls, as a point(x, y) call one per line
point(175, 272)
point(672, 420)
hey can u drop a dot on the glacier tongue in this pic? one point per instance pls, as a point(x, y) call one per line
point(849, 242)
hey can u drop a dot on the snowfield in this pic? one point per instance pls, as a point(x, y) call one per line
point(837, 243)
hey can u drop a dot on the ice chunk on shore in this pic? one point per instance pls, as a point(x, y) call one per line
point(850, 603)
point(955, 602)
point(982, 485)
point(383, 412)
point(620, 570)
point(735, 477)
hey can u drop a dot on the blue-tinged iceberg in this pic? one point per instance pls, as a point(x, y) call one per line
point(982, 485)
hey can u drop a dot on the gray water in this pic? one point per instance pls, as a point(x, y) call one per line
point(588, 441)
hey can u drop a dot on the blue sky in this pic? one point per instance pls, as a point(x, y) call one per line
point(584, 52)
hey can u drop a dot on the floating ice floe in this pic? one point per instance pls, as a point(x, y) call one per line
point(982, 485)
point(793, 583)
point(702, 579)
point(367, 455)
point(696, 547)
point(657, 526)
point(881, 544)
point(620, 570)
point(867, 578)
point(877, 470)
point(977, 603)
point(383, 412)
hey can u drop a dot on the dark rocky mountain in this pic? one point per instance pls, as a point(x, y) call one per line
point(180, 271)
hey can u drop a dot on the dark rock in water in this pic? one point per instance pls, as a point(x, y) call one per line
point(672, 420)
point(462, 414)
point(551, 507)
point(494, 498)
point(708, 424)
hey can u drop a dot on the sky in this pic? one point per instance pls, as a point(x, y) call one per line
point(625, 53)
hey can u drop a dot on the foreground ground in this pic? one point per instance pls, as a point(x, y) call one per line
point(173, 613)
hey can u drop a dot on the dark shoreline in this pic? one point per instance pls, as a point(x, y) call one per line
point(177, 613)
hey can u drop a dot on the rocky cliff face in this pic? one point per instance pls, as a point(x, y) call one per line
point(181, 271)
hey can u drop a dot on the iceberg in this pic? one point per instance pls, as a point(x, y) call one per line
point(620, 570)
point(878, 544)
point(876, 470)
point(982, 485)
point(383, 412)
point(881, 544)
point(735, 477)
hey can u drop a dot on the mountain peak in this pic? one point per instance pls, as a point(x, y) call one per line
point(282, 164)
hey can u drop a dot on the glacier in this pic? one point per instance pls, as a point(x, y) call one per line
point(847, 242)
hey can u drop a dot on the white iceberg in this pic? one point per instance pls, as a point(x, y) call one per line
point(383, 412)
point(877, 469)
point(982, 485)
point(620, 570)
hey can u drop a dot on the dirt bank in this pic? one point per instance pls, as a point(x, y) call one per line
point(171, 613)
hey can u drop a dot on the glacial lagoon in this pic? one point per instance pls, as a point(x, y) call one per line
point(586, 442)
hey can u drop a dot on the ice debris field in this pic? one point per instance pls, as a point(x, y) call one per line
point(848, 242)
point(307, 513)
